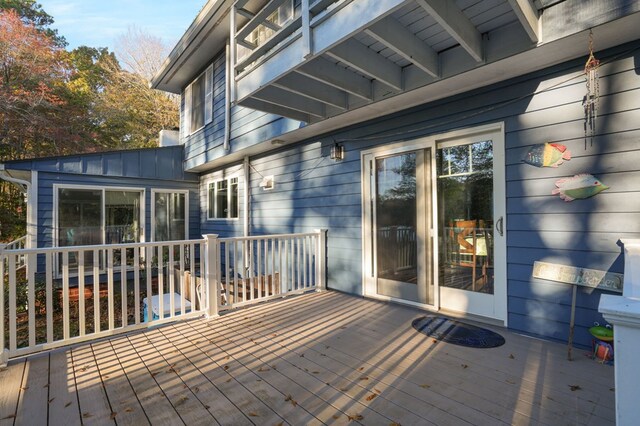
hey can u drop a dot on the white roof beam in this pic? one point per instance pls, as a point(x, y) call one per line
point(284, 98)
point(368, 62)
point(313, 89)
point(275, 109)
point(398, 38)
point(447, 14)
point(329, 73)
point(528, 16)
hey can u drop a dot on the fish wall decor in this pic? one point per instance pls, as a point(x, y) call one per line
point(547, 155)
point(578, 187)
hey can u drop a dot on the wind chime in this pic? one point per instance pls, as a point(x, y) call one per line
point(590, 101)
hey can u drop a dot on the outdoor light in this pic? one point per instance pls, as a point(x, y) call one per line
point(337, 152)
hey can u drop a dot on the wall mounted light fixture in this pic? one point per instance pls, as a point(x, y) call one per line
point(337, 152)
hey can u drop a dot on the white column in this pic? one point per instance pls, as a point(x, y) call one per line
point(212, 277)
point(624, 313)
point(321, 260)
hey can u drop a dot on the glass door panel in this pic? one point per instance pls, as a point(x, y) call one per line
point(401, 217)
point(465, 212)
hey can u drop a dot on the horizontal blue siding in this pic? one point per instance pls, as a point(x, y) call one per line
point(311, 191)
point(248, 127)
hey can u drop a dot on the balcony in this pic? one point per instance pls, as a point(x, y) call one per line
point(320, 358)
point(346, 61)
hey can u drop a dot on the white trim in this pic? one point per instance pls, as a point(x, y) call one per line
point(208, 198)
point(103, 189)
point(153, 209)
point(32, 212)
point(470, 135)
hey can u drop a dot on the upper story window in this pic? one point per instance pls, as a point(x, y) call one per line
point(198, 103)
point(223, 199)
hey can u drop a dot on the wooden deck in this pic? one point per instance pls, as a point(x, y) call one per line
point(318, 358)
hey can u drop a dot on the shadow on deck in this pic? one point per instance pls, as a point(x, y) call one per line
point(317, 358)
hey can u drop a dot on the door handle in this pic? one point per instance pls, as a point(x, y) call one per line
point(500, 226)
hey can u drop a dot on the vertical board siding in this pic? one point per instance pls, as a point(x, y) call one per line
point(311, 191)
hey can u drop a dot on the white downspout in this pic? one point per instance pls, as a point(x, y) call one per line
point(227, 98)
point(27, 187)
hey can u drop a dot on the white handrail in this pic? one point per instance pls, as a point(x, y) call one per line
point(73, 294)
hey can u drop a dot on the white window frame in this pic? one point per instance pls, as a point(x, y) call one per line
point(185, 116)
point(102, 189)
point(155, 191)
point(214, 182)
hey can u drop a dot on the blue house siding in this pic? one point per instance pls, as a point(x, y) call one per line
point(147, 169)
point(312, 191)
point(248, 126)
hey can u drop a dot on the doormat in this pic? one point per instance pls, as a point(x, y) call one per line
point(456, 332)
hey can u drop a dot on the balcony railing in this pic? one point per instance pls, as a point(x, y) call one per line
point(102, 290)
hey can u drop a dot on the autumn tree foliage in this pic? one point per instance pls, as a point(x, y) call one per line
point(54, 102)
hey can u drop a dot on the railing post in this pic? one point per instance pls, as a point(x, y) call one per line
point(321, 260)
point(624, 313)
point(4, 352)
point(212, 280)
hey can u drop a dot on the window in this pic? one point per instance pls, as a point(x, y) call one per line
point(91, 216)
point(223, 199)
point(198, 103)
point(169, 215)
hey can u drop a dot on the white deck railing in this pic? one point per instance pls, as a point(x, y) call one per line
point(18, 244)
point(71, 294)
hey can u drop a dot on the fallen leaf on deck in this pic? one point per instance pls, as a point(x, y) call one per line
point(264, 369)
point(361, 368)
point(425, 386)
point(87, 415)
point(226, 367)
point(128, 410)
point(574, 388)
point(464, 365)
point(363, 378)
point(113, 415)
point(68, 404)
point(252, 414)
point(370, 397)
point(301, 355)
point(511, 356)
point(355, 417)
point(394, 424)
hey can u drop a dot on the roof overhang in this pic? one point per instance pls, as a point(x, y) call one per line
point(204, 37)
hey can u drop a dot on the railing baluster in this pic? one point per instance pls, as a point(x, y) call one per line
point(3, 325)
point(160, 282)
point(136, 284)
point(81, 313)
point(305, 264)
point(12, 302)
point(110, 301)
point(148, 257)
point(181, 283)
point(170, 275)
point(193, 276)
point(31, 296)
point(96, 291)
point(123, 287)
point(299, 269)
point(236, 295)
point(65, 295)
point(227, 275)
point(48, 264)
point(259, 279)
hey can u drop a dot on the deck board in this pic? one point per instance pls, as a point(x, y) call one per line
point(317, 358)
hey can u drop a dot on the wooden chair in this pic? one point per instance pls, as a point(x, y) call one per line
point(464, 237)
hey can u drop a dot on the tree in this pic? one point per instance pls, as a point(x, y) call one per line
point(32, 13)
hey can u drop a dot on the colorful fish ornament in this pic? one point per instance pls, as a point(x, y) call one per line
point(578, 187)
point(547, 155)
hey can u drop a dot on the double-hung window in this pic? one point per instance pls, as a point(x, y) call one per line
point(197, 110)
point(223, 199)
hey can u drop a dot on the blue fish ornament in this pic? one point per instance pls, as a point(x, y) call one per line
point(578, 187)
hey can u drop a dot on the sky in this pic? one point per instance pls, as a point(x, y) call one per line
point(98, 23)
